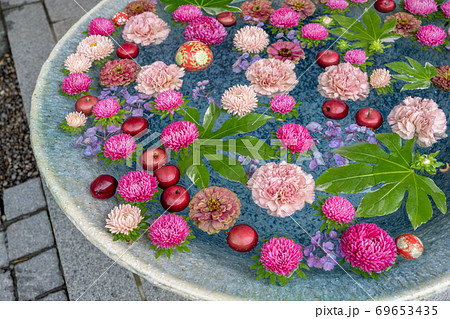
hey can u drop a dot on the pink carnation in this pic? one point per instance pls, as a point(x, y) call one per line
point(187, 13)
point(76, 83)
point(337, 4)
point(344, 81)
point(101, 26)
point(159, 77)
point(207, 30)
point(282, 103)
point(168, 231)
point(137, 186)
point(338, 209)
point(431, 35)
point(314, 31)
point(169, 100)
point(368, 247)
point(421, 7)
point(123, 219)
point(284, 18)
point(106, 108)
point(281, 255)
point(445, 7)
point(356, 56)
point(145, 29)
point(179, 134)
point(281, 188)
point(119, 146)
point(294, 137)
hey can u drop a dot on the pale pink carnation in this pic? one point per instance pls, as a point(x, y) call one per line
point(380, 78)
point(168, 231)
point(169, 100)
point(137, 186)
point(239, 100)
point(106, 108)
point(207, 30)
point(282, 103)
point(251, 39)
point(344, 81)
point(159, 77)
point(281, 255)
point(284, 18)
point(281, 188)
point(101, 26)
point(179, 134)
point(119, 146)
point(76, 83)
point(337, 4)
point(123, 219)
point(145, 29)
point(314, 31)
point(77, 63)
point(76, 119)
point(431, 35)
point(96, 47)
point(272, 76)
point(187, 13)
point(368, 247)
point(445, 7)
point(338, 209)
point(421, 7)
point(418, 117)
point(295, 138)
point(356, 56)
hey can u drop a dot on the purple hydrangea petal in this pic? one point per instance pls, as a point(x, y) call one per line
point(340, 161)
point(91, 131)
point(335, 143)
point(314, 127)
point(112, 128)
point(138, 112)
point(351, 129)
point(328, 245)
point(78, 141)
point(313, 165)
point(88, 151)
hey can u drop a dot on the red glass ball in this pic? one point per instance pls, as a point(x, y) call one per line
point(409, 246)
point(194, 56)
point(120, 18)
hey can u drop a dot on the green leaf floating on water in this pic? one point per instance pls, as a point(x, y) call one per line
point(417, 75)
point(374, 166)
point(212, 7)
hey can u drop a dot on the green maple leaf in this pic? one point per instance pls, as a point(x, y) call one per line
point(417, 75)
point(212, 7)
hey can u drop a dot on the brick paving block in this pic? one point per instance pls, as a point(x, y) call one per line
point(38, 275)
point(29, 235)
point(6, 287)
point(57, 296)
point(63, 9)
point(6, 4)
point(3, 252)
point(24, 198)
point(61, 27)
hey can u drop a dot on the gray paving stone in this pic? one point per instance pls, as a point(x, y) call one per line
point(6, 287)
point(38, 275)
point(29, 235)
point(14, 3)
point(3, 251)
point(24, 198)
point(57, 296)
point(4, 47)
point(61, 27)
point(60, 10)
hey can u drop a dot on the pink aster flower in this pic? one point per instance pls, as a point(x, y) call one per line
point(179, 134)
point(284, 18)
point(76, 83)
point(282, 103)
point(207, 30)
point(281, 188)
point(137, 186)
point(239, 100)
point(123, 219)
point(76, 119)
point(257, 10)
point(380, 78)
point(281, 255)
point(145, 29)
point(294, 137)
point(168, 231)
point(304, 8)
point(431, 35)
point(418, 117)
point(445, 7)
point(101, 26)
point(286, 50)
point(337, 4)
point(159, 77)
point(169, 100)
point(77, 63)
point(187, 13)
point(314, 31)
point(96, 47)
point(344, 81)
point(355, 56)
point(106, 108)
point(421, 7)
point(272, 76)
point(368, 247)
point(251, 39)
point(338, 209)
point(119, 146)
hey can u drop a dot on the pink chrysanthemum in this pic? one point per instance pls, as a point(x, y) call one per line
point(445, 7)
point(355, 56)
point(282, 103)
point(207, 30)
point(431, 35)
point(96, 47)
point(119, 72)
point(168, 231)
point(239, 100)
point(257, 10)
point(294, 137)
point(314, 31)
point(106, 108)
point(119, 146)
point(406, 25)
point(284, 18)
point(337, 4)
point(338, 209)
point(77, 63)
point(145, 29)
point(380, 78)
point(76, 119)
point(368, 247)
point(251, 39)
point(159, 77)
point(187, 13)
point(281, 255)
point(304, 8)
point(101, 26)
point(286, 50)
point(137, 186)
point(76, 83)
point(179, 134)
point(123, 219)
point(421, 7)
point(169, 100)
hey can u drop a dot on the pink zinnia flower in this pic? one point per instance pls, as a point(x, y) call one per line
point(281, 255)
point(431, 35)
point(101, 26)
point(137, 7)
point(338, 209)
point(119, 146)
point(286, 50)
point(179, 134)
point(251, 39)
point(294, 137)
point(314, 31)
point(77, 63)
point(96, 47)
point(145, 29)
point(76, 83)
point(368, 247)
point(239, 100)
point(119, 72)
point(207, 30)
point(445, 7)
point(258, 11)
point(282, 103)
point(123, 219)
point(106, 108)
point(442, 80)
point(355, 56)
point(168, 231)
point(159, 77)
point(421, 7)
point(337, 4)
point(406, 25)
point(169, 100)
point(304, 8)
point(284, 18)
point(187, 13)
point(137, 186)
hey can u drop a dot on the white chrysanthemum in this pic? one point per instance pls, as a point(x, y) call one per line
point(239, 100)
point(251, 39)
point(123, 219)
point(96, 47)
point(76, 119)
point(380, 78)
point(77, 63)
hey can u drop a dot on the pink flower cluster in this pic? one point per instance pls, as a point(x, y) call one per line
point(168, 231)
point(295, 138)
point(169, 100)
point(338, 209)
point(337, 4)
point(159, 77)
point(179, 134)
point(76, 83)
point(119, 146)
point(106, 108)
point(137, 186)
point(101, 26)
point(281, 255)
point(207, 30)
point(145, 29)
point(445, 7)
point(355, 56)
point(431, 35)
point(314, 31)
point(284, 18)
point(282, 103)
point(187, 13)
point(421, 7)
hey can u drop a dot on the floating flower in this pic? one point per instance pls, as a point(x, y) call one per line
point(272, 76)
point(251, 40)
point(137, 186)
point(168, 231)
point(286, 50)
point(337, 4)
point(344, 81)
point(106, 108)
point(338, 209)
point(380, 78)
point(368, 247)
point(119, 146)
point(304, 8)
point(442, 80)
point(123, 219)
point(359, 1)
point(77, 63)
point(159, 77)
point(282, 103)
point(76, 83)
point(187, 13)
point(355, 56)
point(179, 134)
point(145, 29)
point(295, 138)
point(281, 188)
point(445, 7)
point(406, 25)
point(418, 117)
point(119, 72)
point(421, 7)
point(76, 119)
point(96, 47)
point(239, 100)
point(314, 31)
point(281, 255)
point(257, 11)
point(169, 100)
point(101, 26)
point(135, 8)
point(431, 35)
point(214, 209)
point(284, 18)
point(207, 30)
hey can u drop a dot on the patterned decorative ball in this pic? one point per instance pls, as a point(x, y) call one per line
point(194, 56)
point(409, 246)
point(120, 18)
